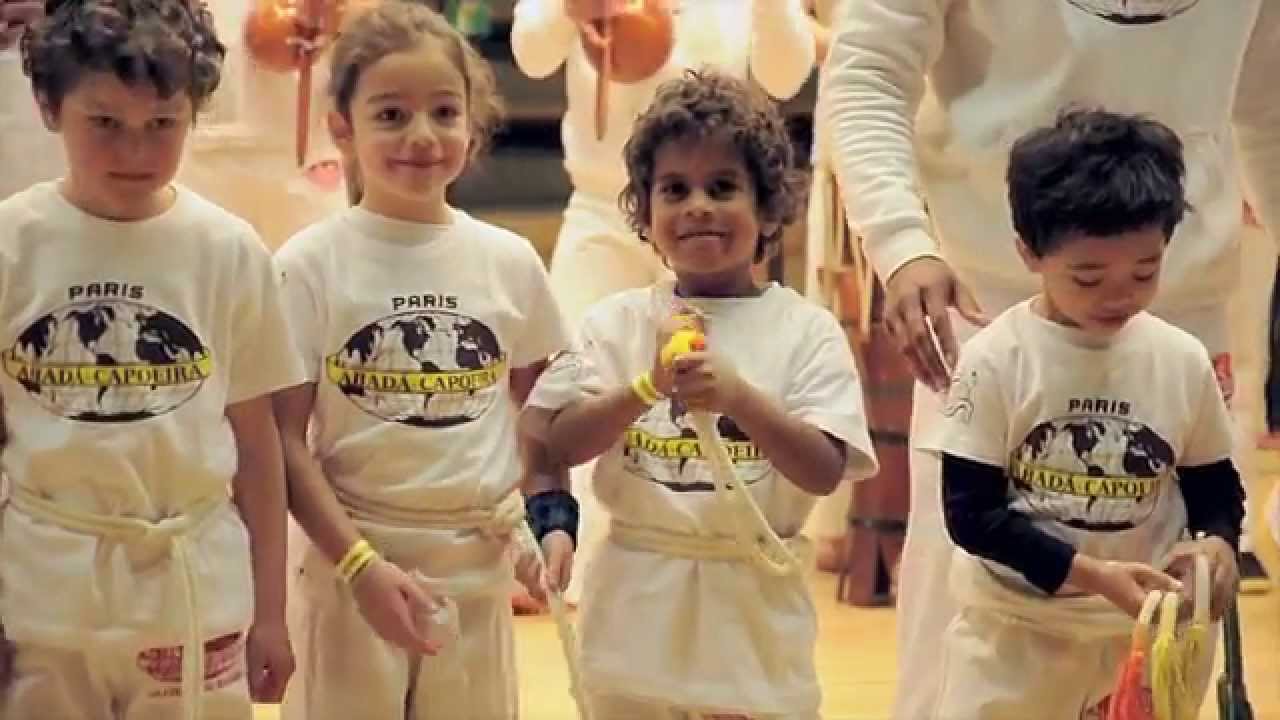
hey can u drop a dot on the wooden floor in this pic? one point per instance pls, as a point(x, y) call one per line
point(856, 661)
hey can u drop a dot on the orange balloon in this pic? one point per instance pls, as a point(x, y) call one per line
point(643, 36)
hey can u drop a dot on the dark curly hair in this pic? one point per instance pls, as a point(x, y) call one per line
point(1095, 172)
point(701, 104)
point(169, 44)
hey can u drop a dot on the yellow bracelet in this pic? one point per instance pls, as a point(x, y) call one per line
point(357, 549)
point(643, 387)
point(359, 566)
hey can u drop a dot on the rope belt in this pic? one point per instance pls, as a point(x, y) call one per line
point(174, 532)
point(695, 547)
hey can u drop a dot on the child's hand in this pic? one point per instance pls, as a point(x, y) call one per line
point(1125, 584)
point(393, 604)
point(708, 383)
point(270, 659)
point(557, 547)
point(1224, 575)
point(15, 16)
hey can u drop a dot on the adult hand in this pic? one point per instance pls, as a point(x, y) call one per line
point(917, 295)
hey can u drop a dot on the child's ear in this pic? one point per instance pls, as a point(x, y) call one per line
point(342, 134)
point(1029, 258)
point(48, 114)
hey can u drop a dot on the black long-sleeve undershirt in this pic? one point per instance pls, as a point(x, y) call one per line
point(978, 517)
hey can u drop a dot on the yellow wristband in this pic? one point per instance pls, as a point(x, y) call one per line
point(643, 387)
point(359, 566)
point(357, 549)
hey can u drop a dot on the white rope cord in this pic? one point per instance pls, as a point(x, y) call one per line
point(560, 613)
point(751, 528)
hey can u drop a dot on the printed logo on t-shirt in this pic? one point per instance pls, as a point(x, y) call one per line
point(1094, 468)
point(960, 397)
point(106, 357)
point(425, 368)
point(662, 447)
point(1135, 12)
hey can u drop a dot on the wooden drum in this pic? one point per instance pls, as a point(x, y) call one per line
point(877, 518)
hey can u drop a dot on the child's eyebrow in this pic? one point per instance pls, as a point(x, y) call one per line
point(383, 97)
point(1100, 266)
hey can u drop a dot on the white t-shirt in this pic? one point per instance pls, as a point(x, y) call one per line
point(1089, 432)
point(410, 332)
point(123, 344)
point(716, 634)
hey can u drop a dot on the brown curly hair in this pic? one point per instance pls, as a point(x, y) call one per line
point(701, 104)
point(169, 44)
point(394, 26)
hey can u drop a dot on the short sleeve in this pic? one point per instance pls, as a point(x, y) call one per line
point(263, 359)
point(543, 331)
point(974, 419)
point(825, 392)
point(300, 296)
point(573, 374)
point(1209, 437)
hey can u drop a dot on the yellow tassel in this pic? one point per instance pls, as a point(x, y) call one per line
point(1174, 658)
point(1165, 661)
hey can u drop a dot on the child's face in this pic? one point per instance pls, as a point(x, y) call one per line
point(703, 215)
point(1097, 284)
point(409, 132)
point(123, 145)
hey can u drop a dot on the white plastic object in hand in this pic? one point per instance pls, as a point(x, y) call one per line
point(525, 539)
point(440, 620)
point(1202, 589)
point(937, 347)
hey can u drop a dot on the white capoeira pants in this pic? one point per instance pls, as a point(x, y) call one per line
point(997, 669)
point(121, 677)
point(346, 671)
point(258, 182)
point(112, 642)
point(1007, 656)
point(619, 707)
point(596, 255)
point(1250, 311)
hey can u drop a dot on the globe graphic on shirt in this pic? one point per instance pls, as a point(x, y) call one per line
point(423, 368)
point(662, 447)
point(108, 361)
point(1135, 12)
point(1095, 472)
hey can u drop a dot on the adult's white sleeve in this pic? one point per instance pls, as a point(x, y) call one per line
point(871, 88)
